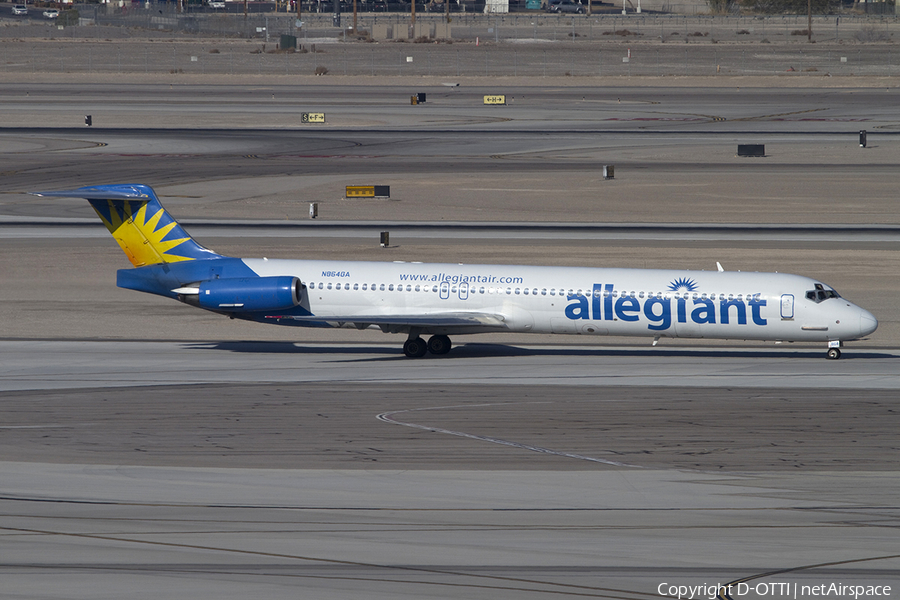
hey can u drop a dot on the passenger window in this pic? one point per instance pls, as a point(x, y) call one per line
point(525, 291)
point(391, 287)
point(508, 291)
point(517, 291)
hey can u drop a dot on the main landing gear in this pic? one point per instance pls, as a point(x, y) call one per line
point(417, 348)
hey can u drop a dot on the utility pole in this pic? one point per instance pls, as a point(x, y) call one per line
point(809, 21)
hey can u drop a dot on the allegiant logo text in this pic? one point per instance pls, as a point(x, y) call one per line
point(606, 305)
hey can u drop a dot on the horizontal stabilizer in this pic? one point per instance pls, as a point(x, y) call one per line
point(102, 192)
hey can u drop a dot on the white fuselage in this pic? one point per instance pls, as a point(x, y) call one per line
point(575, 300)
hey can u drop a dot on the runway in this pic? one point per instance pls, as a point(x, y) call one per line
point(477, 360)
point(153, 449)
point(884, 236)
point(336, 471)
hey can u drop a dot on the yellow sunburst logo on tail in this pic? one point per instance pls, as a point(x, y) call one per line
point(138, 235)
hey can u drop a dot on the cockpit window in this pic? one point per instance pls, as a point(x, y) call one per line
point(820, 294)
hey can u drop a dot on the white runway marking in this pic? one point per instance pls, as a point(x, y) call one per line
point(32, 426)
point(388, 418)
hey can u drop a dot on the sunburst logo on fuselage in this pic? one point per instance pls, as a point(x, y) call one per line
point(683, 284)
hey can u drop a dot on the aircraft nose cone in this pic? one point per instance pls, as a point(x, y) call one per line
point(867, 323)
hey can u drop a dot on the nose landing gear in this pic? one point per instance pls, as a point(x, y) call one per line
point(834, 350)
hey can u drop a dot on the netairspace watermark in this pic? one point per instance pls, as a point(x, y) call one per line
point(792, 590)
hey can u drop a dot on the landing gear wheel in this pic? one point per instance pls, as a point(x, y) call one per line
point(833, 353)
point(415, 348)
point(439, 344)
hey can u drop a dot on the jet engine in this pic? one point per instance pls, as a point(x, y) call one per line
point(249, 294)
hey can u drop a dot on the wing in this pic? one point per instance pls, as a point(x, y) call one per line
point(392, 322)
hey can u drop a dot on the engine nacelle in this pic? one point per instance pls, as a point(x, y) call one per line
point(250, 294)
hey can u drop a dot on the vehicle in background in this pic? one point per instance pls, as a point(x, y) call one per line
point(20, 9)
point(565, 6)
point(216, 3)
point(372, 5)
point(439, 7)
point(51, 13)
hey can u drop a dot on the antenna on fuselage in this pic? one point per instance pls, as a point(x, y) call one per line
point(719, 266)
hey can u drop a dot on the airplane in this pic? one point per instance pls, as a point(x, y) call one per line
point(440, 300)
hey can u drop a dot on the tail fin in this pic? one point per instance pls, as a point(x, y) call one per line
point(139, 223)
